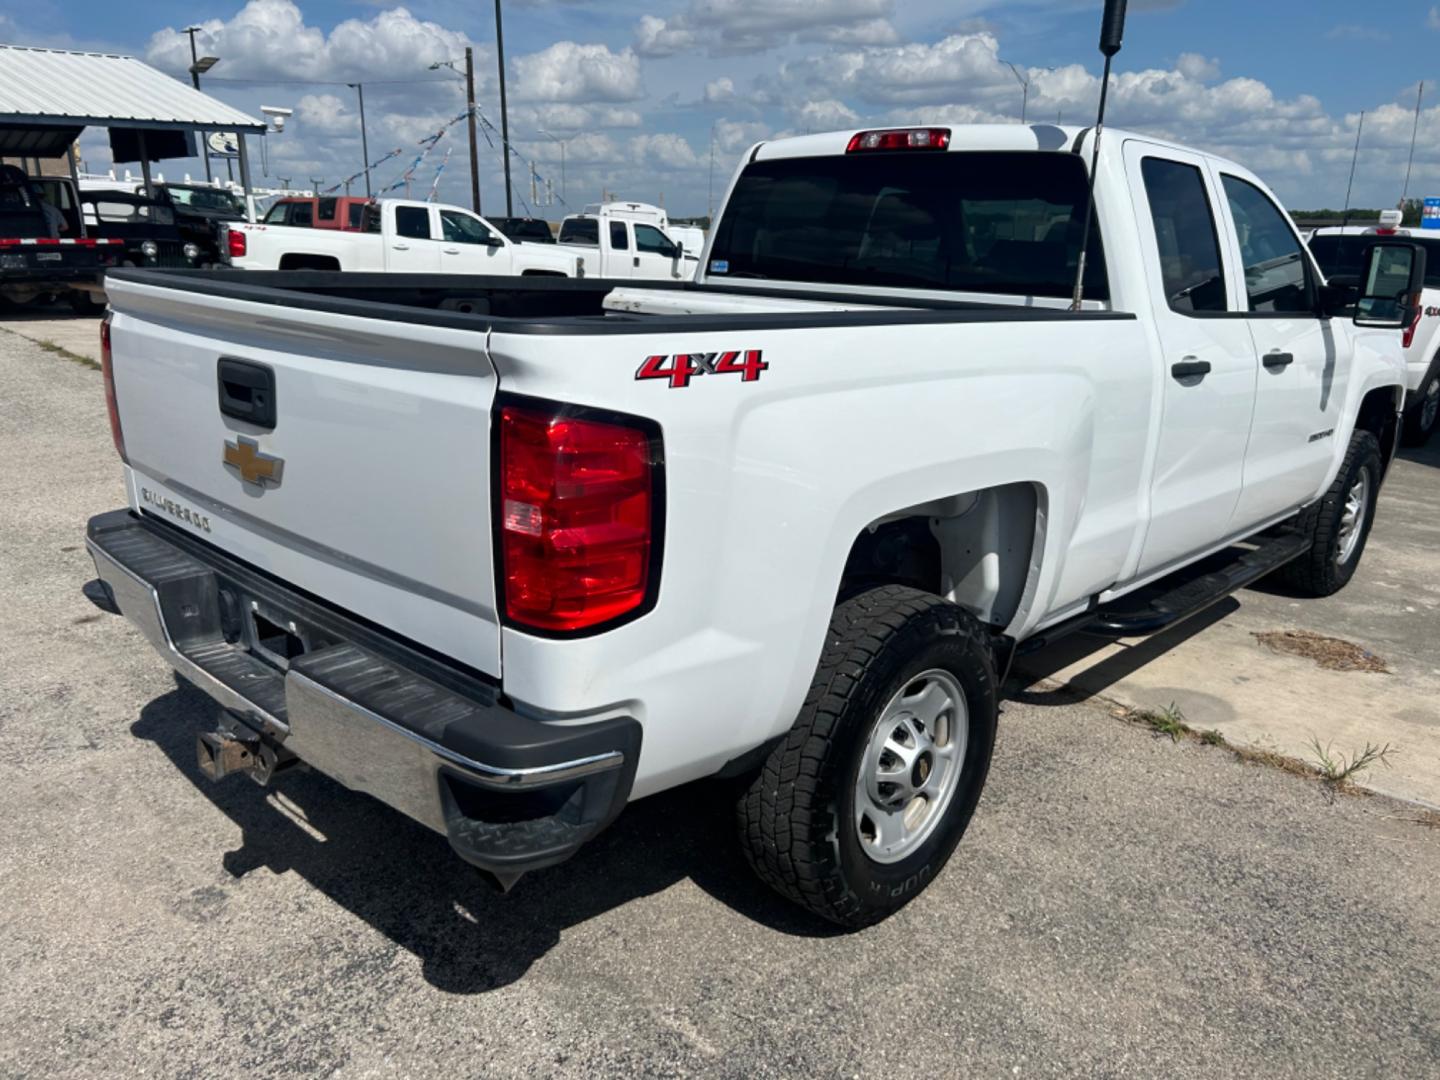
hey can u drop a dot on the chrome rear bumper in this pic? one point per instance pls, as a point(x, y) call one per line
point(373, 712)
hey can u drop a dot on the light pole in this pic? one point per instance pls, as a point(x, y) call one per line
point(504, 113)
point(364, 142)
point(469, 78)
point(1024, 88)
point(710, 197)
point(548, 135)
point(199, 66)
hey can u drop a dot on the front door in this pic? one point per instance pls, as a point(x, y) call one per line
point(653, 258)
point(467, 246)
point(1304, 360)
point(1208, 361)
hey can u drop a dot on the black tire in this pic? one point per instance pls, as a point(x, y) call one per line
point(797, 819)
point(1321, 571)
point(83, 303)
point(1418, 425)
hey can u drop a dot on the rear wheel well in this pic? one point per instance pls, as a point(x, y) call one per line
point(978, 550)
point(309, 262)
point(1379, 414)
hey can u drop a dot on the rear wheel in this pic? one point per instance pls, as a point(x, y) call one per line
point(1339, 524)
point(862, 803)
point(1424, 411)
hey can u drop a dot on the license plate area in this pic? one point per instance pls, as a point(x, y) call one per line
point(48, 256)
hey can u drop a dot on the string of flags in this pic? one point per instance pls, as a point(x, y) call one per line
point(435, 184)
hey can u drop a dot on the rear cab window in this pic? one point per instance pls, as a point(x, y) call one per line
point(1003, 222)
point(580, 231)
point(412, 222)
point(619, 238)
point(1191, 269)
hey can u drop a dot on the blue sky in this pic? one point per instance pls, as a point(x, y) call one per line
point(640, 90)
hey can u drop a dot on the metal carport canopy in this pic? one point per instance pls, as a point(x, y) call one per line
point(71, 89)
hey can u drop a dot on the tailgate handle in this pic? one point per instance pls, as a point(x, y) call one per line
point(247, 391)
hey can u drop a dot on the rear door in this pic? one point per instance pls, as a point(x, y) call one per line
point(376, 496)
point(1305, 361)
point(1207, 355)
point(411, 241)
point(621, 261)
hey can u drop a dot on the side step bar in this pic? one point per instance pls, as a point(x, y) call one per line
point(1189, 597)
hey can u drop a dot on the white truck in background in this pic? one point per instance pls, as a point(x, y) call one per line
point(1339, 251)
point(398, 236)
point(626, 240)
point(509, 570)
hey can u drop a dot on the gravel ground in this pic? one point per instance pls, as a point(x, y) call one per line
point(1122, 906)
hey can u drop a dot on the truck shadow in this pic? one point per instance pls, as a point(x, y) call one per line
point(405, 881)
point(1429, 454)
point(1033, 678)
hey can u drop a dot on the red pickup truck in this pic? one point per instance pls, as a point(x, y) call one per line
point(319, 212)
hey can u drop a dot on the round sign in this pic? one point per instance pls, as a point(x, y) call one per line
point(224, 143)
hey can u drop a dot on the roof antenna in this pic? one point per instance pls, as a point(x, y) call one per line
point(1112, 31)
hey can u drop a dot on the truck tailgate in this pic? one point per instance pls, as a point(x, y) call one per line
point(382, 435)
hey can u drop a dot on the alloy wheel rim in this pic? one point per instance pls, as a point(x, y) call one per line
point(911, 766)
point(1352, 519)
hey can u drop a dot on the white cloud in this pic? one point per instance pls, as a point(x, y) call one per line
point(1433, 21)
point(666, 152)
point(824, 115)
point(571, 72)
point(1196, 66)
point(732, 136)
point(744, 26)
point(721, 89)
point(324, 114)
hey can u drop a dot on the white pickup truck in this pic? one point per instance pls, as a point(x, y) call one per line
point(396, 236)
point(616, 245)
point(1339, 250)
point(509, 571)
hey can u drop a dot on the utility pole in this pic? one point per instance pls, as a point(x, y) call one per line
point(1355, 157)
point(534, 199)
point(195, 82)
point(364, 142)
point(551, 135)
point(470, 123)
point(504, 113)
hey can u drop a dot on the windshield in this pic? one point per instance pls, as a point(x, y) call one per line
point(207, 199)
point(982, 221)
point(1340, 254)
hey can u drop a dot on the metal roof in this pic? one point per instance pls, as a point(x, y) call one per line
point(55, 87)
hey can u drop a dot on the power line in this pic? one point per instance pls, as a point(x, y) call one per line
point(333, 82)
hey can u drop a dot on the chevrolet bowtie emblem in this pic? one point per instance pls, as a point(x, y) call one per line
point(243, 457)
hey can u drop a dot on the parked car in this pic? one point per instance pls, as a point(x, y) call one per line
point(143, 225)
point(397, 235)
point(344, 212)
point(616, 247)
point(526, 230)
point(1340, 251)
point(508, 571)
point(46, 253)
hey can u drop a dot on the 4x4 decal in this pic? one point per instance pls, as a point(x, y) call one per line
point(682, 367)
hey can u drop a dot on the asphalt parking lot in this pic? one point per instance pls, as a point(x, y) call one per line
point(1124, 905)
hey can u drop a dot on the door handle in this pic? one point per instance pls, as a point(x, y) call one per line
point(637, 260)
point(451, 251)
point(1189, 368)
point(401, 247)
point(1278, 359)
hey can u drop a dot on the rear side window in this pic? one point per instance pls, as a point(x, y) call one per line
point(1276, 279)
point(981, 221)
point(355, 212)
point(327, 209)
point(412, 222)
point(619, 238)
point(580, 231)
point(302, 214)
point(1190, 267)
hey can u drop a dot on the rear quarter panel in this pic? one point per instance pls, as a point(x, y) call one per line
point(769, 482)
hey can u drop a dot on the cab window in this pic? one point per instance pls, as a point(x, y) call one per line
point(1190, 267)
point(458, 228)
point(412, 222)
point(619, 239)
point(276, 214)
point(1277, 279)
point(648, 238)
point(327, 208)
point(580, 231)
point(302, 214)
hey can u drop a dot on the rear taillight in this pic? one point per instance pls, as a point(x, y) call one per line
point(1409, 334)
point(579, 508)
point(900, 139)
point(235, 243)
point(107, 371)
